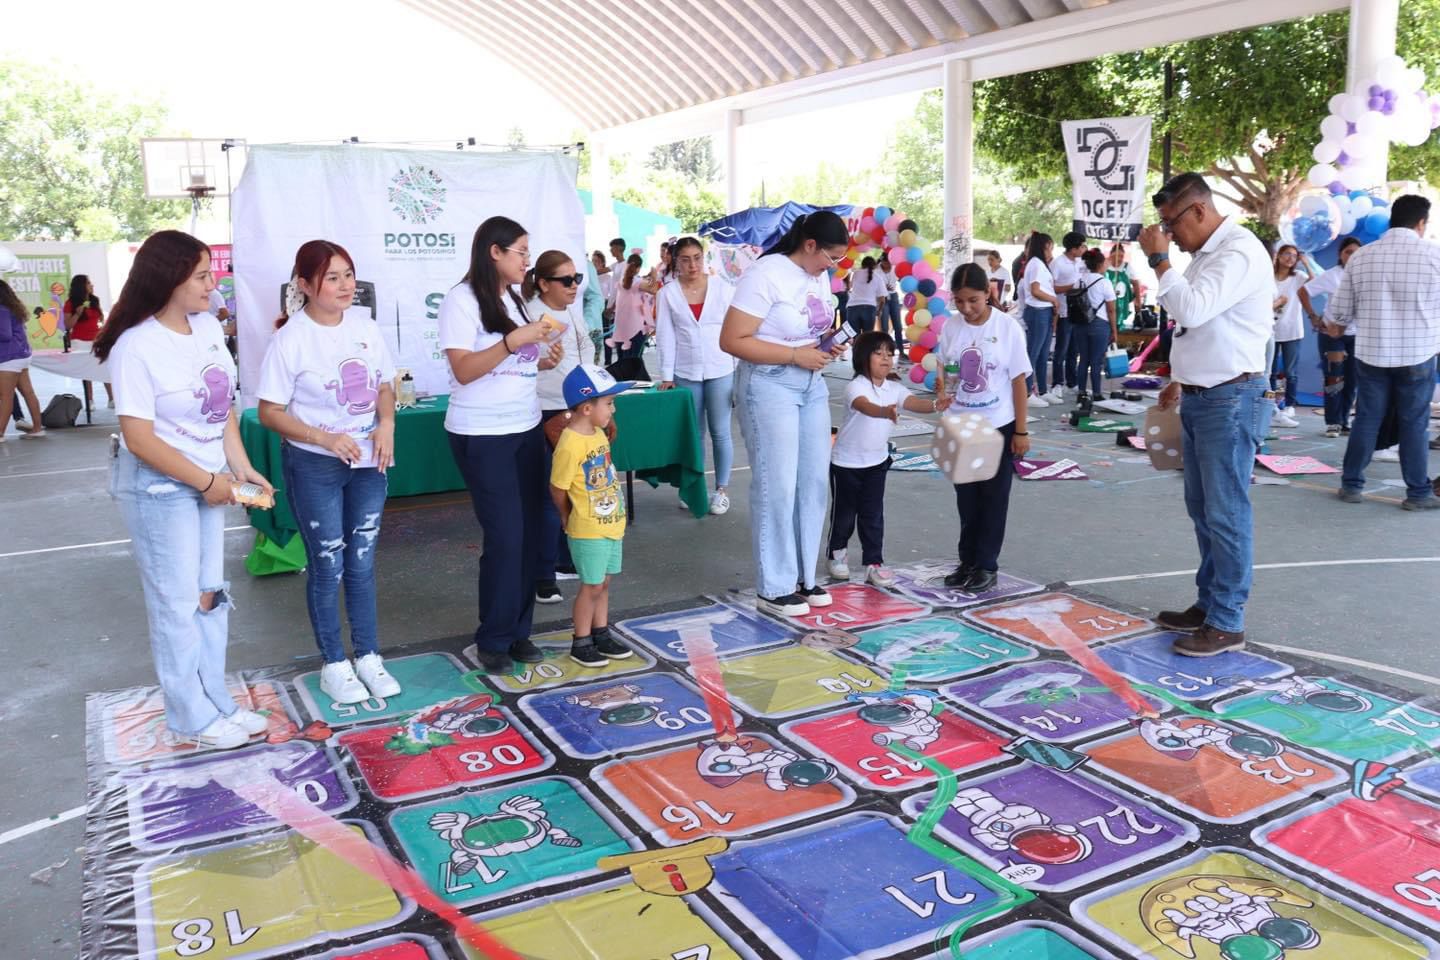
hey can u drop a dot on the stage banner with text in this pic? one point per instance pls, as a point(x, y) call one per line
point(1108, 159)
point(407, 217)
point(43, 282)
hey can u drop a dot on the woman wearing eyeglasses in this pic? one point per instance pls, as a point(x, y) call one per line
point(550, 289)
point(496, 350)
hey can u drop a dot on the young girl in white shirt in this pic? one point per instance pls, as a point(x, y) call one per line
point(1289, 325)
point(1037, 293)
point(867, 292)
point(175, 471)
point(860, 456)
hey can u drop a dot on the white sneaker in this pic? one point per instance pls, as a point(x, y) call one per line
point(339, 683)
point(221, 734)
point(1284, 420)
point(879, 576)
point(1036, 400)
point(250, 721)
point(1056, 394)
point(720, 503)
point(790, 605)
point(34, 434)
point(839, 565)
point(372, 672)
point(1388, 455)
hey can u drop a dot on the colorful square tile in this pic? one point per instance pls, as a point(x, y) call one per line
point(1041, 619)
point(732, 628)
point(1152, 660)
point(1030, 940)
point(406, 946)
point(791, 680)
point(607, 718)
point(936, 649)
point(557, 668)
point(925, 582)
point(134, 728)
point(425, 679)
point(855, 606)
point(1049, 700)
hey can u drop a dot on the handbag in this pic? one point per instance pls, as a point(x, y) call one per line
point(1117, 362)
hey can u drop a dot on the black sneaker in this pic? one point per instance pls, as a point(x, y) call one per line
point(981, 581)
point(790, 605)
point(525, 652)
point(611, 648)
point(547, 592)
point(496, 661)
point(814, 596)
point(583, 652)
point(958, 576)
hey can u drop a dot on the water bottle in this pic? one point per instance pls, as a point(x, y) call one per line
point(407, 390)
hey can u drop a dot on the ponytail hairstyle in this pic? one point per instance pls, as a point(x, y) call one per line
point(682, 244)
point(312, 262)
point(970, 276)
point(484, 280)
point(164, 261)
point(823, 226)
point(868, 264)
point(1035, 248)
point(1094, 260)
point(632, 267)
point(543, 269)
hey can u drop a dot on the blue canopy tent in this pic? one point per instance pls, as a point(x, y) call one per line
point(763, 226)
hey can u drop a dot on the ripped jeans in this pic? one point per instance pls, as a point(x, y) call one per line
point(337, 508)
point(179, 544)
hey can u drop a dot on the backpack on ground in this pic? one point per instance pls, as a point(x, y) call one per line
point(1078, 309)
point(62, 411)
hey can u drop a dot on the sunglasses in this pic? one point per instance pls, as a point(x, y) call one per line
point(569, 281)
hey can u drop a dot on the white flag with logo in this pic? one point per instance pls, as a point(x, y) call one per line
point(1108, 159)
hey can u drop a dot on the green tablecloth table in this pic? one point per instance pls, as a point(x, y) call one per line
point(657, 439)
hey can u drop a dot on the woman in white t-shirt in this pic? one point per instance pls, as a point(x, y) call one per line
point(1037, 293)
point(551, 289)
point(1336, 342)
point(688, 317)
point(175, 470)
point(782, 309)
point(860, 456)
point(496, 350)
point(1100, 328)
point(999, 279)
point(890, 306)
point(1289, 323)
point(867, 292)
point(984, 365)
point(326, 387)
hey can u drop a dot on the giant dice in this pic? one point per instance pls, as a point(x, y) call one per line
point(966, 448)
point(1162, 438)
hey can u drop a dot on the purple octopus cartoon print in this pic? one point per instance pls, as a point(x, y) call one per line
point(355, 390)
point(974, 371)
point(214, 394)
point(529, 353)
point(820, 315)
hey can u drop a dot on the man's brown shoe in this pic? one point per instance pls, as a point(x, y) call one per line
point(1192, 619)
point(1207, 642)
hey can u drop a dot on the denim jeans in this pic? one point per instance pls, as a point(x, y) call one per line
point(554, 545)
point(506, 478)
point(785, 418)
point(1287, 361)
point(1038, 324)
point(1408, 390)
point(337, 508)
point(1339, 377)
point(892, 310)
point(861, 317)
point(1064, 358)
point(713, 401)
point(1094, 339)
point(1222, 430)
point(179, 543)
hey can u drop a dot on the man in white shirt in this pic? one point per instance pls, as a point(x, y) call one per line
point(1391, 293)
point(617, 273)
point(1066, 358)
point(1222, 312)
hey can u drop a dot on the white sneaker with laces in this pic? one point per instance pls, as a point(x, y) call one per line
point(878, 575)
point(839, 565)
point(251, 722)
point(221, 734)
point(339, 683)
point(1388, 455)
point(1056, 394)
point(1284, 420)
point(372, 673)
point(720, 503)
point(1036, 400)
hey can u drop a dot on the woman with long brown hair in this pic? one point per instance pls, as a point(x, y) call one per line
point(15, 363)
point(173, 382)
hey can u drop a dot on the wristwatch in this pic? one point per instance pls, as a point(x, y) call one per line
point(1156, 259)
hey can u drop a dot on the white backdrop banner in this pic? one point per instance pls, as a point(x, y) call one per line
point(1108, 159)
point(407, 217)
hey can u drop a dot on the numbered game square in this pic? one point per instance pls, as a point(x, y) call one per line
point(1047, 619)
point(464, 742)
point(936, 649)
point(864, 741)
point(732, 628)
point(408, 946)
point(134, 727)
point(425, 679)
point(1030, 940)
point(855, 606)
point(791, 680)
point(557, 668)
point(724, 788)
point(925, 582)
point(1049, 700)
point(611, 717)
point(1052, 831)
point(1153, 660)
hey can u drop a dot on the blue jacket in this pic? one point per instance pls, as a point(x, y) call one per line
point(14, 343)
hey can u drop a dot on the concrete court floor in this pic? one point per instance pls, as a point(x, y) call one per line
point(72, 617)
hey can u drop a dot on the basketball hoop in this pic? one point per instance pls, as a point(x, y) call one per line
point(195, 169)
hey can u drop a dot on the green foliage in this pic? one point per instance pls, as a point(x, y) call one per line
point(670, 193)
point(70, 161)
point(823, 186)
point(693, 159)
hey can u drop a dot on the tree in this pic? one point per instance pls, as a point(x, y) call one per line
point(1246, 111)
point(694, 159)
point(70, 164)
point(824, 186)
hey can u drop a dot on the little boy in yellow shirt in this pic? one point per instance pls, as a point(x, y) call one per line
point(592, 509)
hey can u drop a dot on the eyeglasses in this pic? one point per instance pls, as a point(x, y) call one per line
point(1168, 226)
point(834, 261)
point(524, 254)
point(567, 282)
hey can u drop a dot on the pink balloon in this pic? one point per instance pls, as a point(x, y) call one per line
point(837, 285)
point(892, 222)
point(896, 255)
point(922, 271)
point(937, 324)
point(928, 339)
point(917, 374)
point(892, 238)
point(867, 224)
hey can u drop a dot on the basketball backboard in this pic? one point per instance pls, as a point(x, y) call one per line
point(181, 169)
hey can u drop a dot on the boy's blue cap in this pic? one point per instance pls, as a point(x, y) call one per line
point(586, 383)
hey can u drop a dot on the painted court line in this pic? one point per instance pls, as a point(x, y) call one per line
point(1258, 566)
point(1354, 662)
point(82, 546)
point(49, 473)
point(38, 825)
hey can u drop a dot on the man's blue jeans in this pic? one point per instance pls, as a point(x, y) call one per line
point(1222, 427)
point(1039, 322)
point(1408, 390)
point(337, 508)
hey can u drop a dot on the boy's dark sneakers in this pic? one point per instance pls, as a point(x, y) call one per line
point(583, 652)
point(814, 596)
point(611, 648)
point(1190, 619)
point(526, 652)
point(958, 576)
point(496, 661)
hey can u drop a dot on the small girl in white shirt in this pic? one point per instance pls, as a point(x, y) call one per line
point(860, 457)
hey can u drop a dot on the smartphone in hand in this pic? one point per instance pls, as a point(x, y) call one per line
point(837, 338)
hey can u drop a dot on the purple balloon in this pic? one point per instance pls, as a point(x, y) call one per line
point(1375, 90)
point(910, 297)
point(1376, 103)
point(1336, 188)
point(1351, 128)
point(1343, 160)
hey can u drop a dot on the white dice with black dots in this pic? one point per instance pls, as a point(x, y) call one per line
point(966, 448)
point(1163, 438)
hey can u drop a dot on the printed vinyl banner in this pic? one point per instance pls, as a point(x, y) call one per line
point(407, 217)
point(1108, 159)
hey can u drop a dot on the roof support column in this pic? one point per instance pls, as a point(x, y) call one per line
point(730, 159)
point(959, 113)
point(1372, 39)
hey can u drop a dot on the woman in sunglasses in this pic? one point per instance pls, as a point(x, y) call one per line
point(551, 288)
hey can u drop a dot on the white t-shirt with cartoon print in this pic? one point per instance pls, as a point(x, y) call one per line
point(505, 400)
point(182, 384)
point(329, 377)
point(990, 356)
point(795, 309)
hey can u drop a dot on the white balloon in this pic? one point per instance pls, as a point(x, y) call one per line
point(1322, 175)
point(1355, 177)
point(1371, 124)
point(1326, 151)
point(1412, 80)
point(1417, 133)
point(1310, 203)
point(1361, 206)
point(1389, 72)
point(1358, 147)
point(1335, 101)
point(1343, 203)
point(8, 261)
point(1333, 128)
point(1353, 108)
point(1347, 222)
